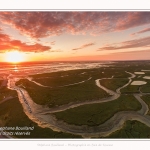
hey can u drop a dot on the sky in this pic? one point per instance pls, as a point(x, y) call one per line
point(76, 36)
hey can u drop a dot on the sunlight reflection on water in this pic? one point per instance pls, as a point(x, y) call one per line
point(38, 68)
point(16, 69)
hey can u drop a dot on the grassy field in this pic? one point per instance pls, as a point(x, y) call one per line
point(12, 115)
point(113, 84)
point(95, 114)
point(60, 96)
point(132, 129)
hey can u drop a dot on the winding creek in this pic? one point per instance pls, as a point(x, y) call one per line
point(43, 116)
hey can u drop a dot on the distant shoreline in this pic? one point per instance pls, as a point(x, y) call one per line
point(80, 61)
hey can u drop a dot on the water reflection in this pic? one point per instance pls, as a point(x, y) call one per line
point(15, 69)
point(36, 68)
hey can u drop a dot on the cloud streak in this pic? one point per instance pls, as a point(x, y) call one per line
point(142, 42)
point(56, 51)
point(84, 46)
point(142, 31)
point(135, 52)
point(44, 24)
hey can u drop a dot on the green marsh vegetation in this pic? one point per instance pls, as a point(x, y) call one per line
point(131, 89)
point(74, 93)
point(61, 78)
point(114, 83)
point(146, 88)
point(63, 95)
point(132, 129)
point(95, 114)
point(73, 76)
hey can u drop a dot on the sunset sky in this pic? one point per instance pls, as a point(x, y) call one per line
point(49, 36)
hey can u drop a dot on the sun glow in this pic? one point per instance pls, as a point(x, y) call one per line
point(14, 57)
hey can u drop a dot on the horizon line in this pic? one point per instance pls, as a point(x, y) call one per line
point(75, 61)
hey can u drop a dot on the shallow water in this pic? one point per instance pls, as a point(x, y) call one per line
point(145, 70)
point(139, 72)
point(138, 83)
point(146, 77)
point(36, 68)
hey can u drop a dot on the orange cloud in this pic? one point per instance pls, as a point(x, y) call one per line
point(6, 43)
point(4, 37)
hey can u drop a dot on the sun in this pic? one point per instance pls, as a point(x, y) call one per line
point(14, 57)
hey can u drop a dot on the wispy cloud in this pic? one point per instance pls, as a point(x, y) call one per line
point(56, 51)
point(142, 31)
point(142, 42)
point(136, 52)
point(84, 46)
point(53, 42)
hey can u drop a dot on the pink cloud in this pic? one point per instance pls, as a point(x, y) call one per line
point(132, 19)
point(43, 24)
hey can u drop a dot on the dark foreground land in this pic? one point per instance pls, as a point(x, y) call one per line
point(76, 87)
